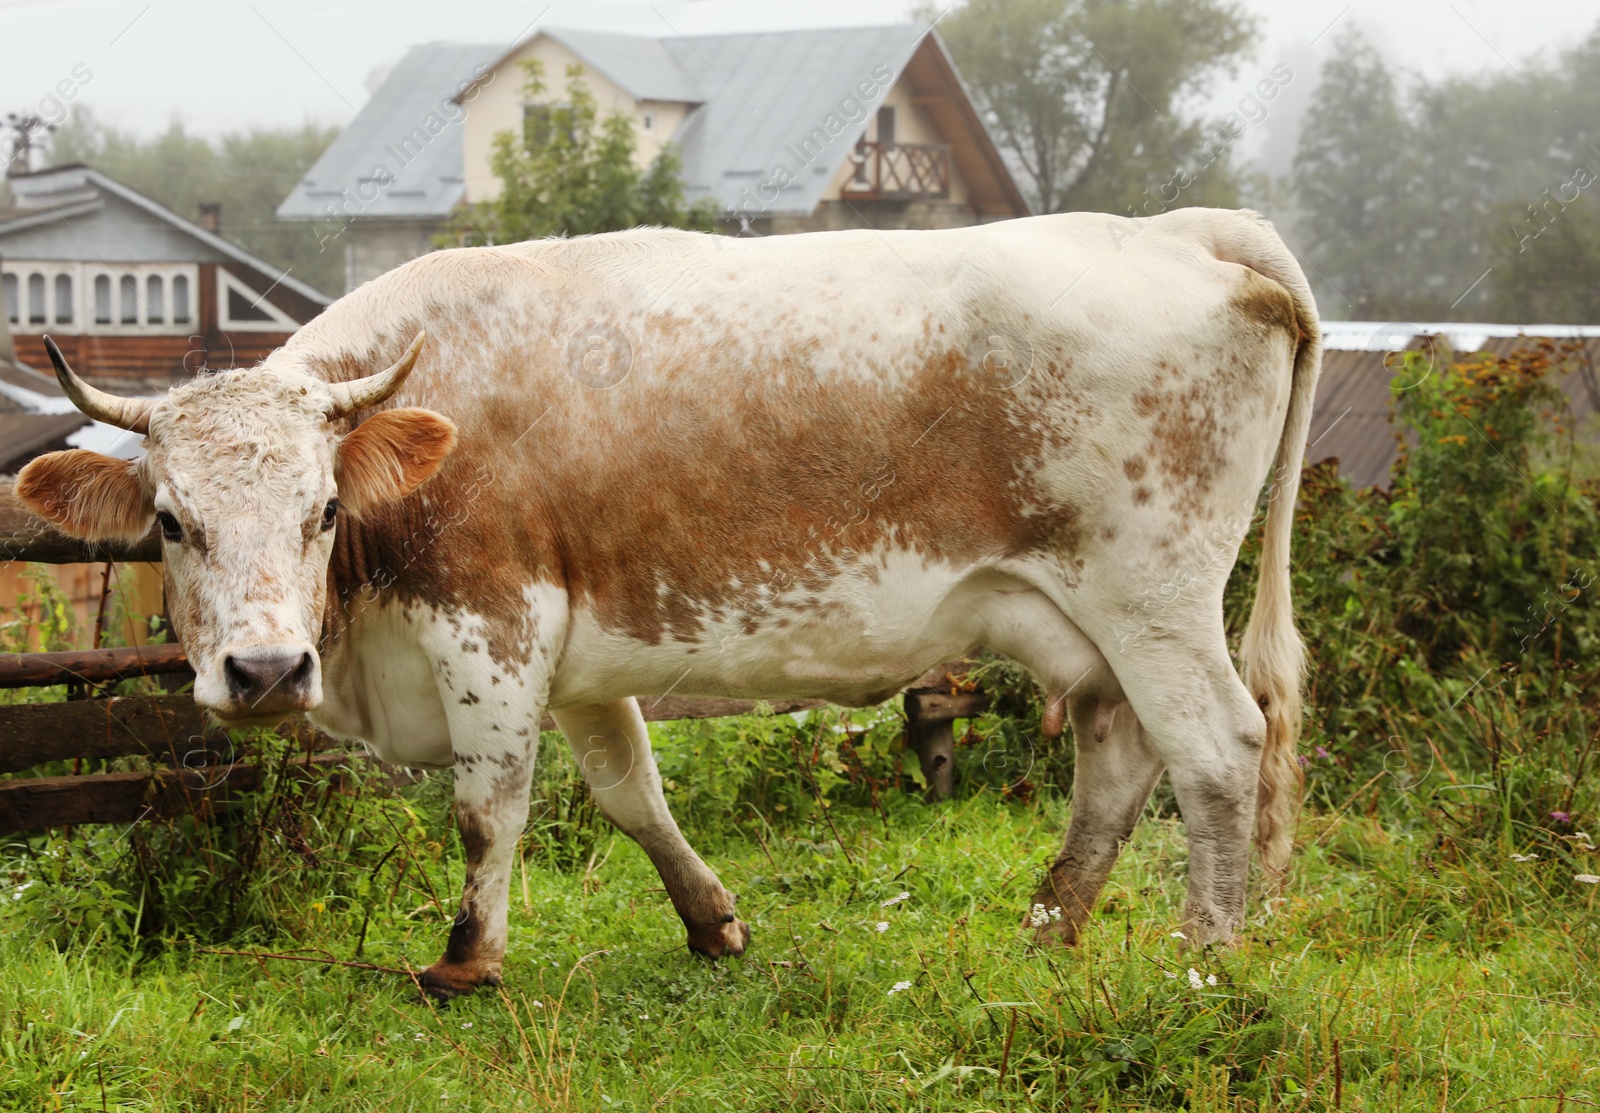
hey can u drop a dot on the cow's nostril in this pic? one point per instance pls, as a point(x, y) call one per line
point(302, 673)
point(238, 680)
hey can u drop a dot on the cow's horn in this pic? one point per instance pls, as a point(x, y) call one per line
point(358, 394)
point(132, 414)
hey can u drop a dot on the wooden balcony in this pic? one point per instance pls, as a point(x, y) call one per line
point(899, 172)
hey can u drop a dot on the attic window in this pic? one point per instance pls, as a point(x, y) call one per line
point(63, 299)
point(13, 300)
point(130, 300)
point(36, 312)
point(649, 121)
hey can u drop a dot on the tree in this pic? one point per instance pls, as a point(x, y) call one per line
point(570, 173)
point(249, 173)
point(1355, 183)
point(1085, 96)
point(1460, 199)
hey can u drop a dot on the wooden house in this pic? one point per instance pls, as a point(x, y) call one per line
point(131, 290)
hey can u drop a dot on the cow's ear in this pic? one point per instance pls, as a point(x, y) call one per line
point(390, 454)
point(87, 495)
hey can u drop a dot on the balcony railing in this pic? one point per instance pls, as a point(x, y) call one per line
point(899, 172)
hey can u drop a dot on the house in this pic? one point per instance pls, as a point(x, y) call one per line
point(130, 290)
point(788, 131)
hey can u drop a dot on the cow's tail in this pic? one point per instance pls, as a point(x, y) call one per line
point(1272, 657)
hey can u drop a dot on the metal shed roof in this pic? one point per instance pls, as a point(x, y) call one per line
point(1350, 421)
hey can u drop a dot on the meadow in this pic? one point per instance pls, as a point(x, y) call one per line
point(1437, 947)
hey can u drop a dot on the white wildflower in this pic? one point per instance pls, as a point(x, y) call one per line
point(466, 1024)
point(899, 987)
point(538, 1004)
point(881, 926)
point(1040, 915)
point(1524, 857)
point(892, 901)
point(1170, 973)
point(1211, 979)
point(1587, 878)
point(1177, 935)
point(1195, 979)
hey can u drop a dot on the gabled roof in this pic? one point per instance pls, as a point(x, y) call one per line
point(758, 96)
point(639, 65)
point(419, 93)
point(60, 193)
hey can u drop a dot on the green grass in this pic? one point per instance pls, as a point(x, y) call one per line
point(1406, 970)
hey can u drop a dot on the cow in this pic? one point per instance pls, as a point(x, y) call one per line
point(806, 466)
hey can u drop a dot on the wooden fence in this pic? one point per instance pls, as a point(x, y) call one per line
point(193, 764)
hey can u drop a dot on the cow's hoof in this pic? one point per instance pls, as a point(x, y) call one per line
point(730, 937)
point(445, 981)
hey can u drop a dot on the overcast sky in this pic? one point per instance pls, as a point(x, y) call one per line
point(224, 64)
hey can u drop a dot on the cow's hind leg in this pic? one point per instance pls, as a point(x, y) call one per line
point(1115, 770)
point(612, 747)
point(1200, 719)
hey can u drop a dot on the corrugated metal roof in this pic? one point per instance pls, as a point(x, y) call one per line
point(759, 96)
point(1350, 421)
point(402, 156)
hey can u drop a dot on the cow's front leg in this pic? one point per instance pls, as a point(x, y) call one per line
point(612, 747)
point(492, 787)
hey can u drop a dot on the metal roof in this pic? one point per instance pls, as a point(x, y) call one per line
point(1350, 420)
point(639, 65)
point(402, 156)
point(767, 92)
point(758, 95)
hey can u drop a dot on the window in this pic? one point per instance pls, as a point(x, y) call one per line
point(36, 307)
point(98, 298)
point(539, 119)
point(886, 126)
point(649, 122)
point(180, 300)
point(242, 307)
point(155, 289)
point(130, 300)
point(64, 299)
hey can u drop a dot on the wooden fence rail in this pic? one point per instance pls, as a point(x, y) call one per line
point(194, 767)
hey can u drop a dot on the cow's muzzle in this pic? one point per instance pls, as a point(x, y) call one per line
point(265, 681)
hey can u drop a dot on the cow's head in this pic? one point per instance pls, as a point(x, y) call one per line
point(245, 475)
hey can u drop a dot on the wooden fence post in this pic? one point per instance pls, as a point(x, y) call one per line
point(935, 744)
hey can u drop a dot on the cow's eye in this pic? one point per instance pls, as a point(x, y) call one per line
point(170, 529)
point(330, 514)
